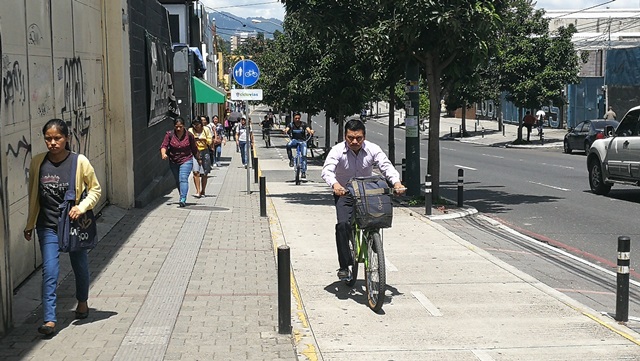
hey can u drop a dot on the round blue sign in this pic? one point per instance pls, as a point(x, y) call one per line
point(246, 73)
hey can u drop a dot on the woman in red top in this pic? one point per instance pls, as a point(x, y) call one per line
point(180, 148)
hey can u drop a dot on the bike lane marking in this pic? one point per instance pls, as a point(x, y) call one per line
point(426, 303)
point(482, 355)
point(550, 186)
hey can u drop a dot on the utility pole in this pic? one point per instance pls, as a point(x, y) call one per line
point(412, 133)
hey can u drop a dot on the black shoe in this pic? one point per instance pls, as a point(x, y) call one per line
point(290, 162)
point(82, 315)
point(182, 204)
point(304, 175)
point(47, 330)
point(344, 274)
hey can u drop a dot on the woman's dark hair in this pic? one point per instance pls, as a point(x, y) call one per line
point(62, 127)
point(196, 122)
point(58, 124)
point(177, 120)
point(355, 125)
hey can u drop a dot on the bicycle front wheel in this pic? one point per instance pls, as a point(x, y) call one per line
point(297, 173)
point(376, 279)
point(353, 249)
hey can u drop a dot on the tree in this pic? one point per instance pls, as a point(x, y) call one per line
point(534, 66)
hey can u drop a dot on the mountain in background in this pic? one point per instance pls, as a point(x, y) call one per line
point(228, 24)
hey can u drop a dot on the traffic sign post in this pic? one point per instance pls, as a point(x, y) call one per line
point(246, 73)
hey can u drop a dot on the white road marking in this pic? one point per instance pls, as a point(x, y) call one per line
point(424, 301)
point(482, 355)
point(463, 167)
point(552, 187)
point(493, 156)
point(558, 166)
point(453, 150)
point(389, 266)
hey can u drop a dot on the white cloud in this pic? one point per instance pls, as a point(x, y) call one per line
point(248, 8)
point(577, 5)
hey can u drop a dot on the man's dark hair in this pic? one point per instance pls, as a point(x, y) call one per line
point(297, 113)
point(355, 125)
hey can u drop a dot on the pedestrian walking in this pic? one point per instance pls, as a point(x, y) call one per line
point(243, 134)
point(227, 128)
point(610, 114)
point(528, 122)
point(202, 164)
point(179, 147)
point(50, 175)
point(218, 141)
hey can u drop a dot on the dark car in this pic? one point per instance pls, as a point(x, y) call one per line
point(585, 133)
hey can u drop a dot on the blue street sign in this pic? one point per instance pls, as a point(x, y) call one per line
point(246, 72)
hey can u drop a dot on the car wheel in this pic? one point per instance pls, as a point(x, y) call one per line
point(567, 148)
point(596, 182)
point(587, 146)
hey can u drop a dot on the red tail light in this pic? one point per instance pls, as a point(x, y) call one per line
point(600, 135)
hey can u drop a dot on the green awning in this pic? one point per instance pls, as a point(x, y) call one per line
point(204, 92)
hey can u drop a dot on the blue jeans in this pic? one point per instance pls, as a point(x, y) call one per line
point(243, 152)
point(303, 149)
point(181, 175)
point(217, 153)
point(51, 269)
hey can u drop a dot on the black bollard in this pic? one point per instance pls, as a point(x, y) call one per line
point(428, 196)
point(404, 169)
point(263, 196)
point(622, 293)
point(284, 290)
point(460, 186)
point(254, 164)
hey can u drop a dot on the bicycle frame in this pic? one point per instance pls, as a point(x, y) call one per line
point(359, 235)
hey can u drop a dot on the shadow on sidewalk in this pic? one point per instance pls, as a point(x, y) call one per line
point(305, 198)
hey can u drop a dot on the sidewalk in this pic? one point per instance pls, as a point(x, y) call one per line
point(199, 283)
point(168, 283)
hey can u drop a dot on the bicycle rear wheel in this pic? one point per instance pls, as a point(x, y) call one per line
point(354, 254)
point(376, 279)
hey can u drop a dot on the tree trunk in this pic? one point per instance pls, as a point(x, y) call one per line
point(340, 125)
point(433, 155)
point(463, 129)
point(520, 125)
point(327, 132)
point(392, 110)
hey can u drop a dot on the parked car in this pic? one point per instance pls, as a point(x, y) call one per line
point(585, 133)
point(616, 159)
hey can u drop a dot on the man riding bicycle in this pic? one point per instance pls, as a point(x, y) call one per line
point(267, 124)
point(297, 132)
point(355, 157)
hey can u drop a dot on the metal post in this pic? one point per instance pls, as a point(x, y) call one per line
point(247, 154)
point(622, 294)
point(451, 132)
point(475, 128)
point(460, 131)
point(404, 169)
point(428, 196)
point(263, 196)
point(284, 290)
point(482, 132)
point(460, 186)
point(255, 169)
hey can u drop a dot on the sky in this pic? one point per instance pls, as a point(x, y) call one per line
point(274, 9)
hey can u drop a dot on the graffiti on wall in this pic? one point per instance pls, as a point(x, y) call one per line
point(15, 152)
point(34, 35)
point(13, 85)
point(74, 111)
point(162, 102)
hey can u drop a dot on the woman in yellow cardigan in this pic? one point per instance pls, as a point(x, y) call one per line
point(49, 176)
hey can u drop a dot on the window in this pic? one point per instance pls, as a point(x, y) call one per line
point(629, 125)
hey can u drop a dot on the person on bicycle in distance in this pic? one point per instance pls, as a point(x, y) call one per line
point(355, 157)
point(297, 131)
point(267, 124)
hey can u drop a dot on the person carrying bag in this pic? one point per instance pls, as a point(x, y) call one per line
point(62, 189)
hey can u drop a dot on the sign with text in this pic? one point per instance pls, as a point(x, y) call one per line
point(246, 94)
point(411, 126)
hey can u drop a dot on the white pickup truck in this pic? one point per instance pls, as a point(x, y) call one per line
point(616, 158)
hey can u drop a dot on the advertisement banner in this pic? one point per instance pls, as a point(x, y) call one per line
point(162, 102)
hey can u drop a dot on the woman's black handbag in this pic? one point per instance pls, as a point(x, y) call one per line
point(79, 234)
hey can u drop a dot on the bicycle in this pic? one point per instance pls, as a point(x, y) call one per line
point(297, 159)
point(366, 247)
point(266, 135)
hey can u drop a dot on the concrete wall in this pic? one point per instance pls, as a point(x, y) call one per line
point(52, 67)
point(148, 22)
